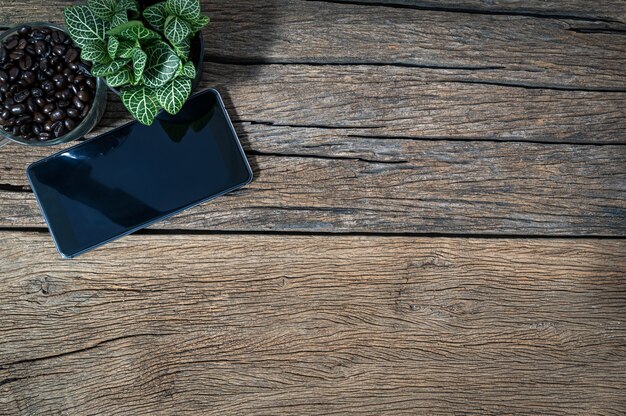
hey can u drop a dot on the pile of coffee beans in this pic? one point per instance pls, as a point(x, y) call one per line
point(44, 89)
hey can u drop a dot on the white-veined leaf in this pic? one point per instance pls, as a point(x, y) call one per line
point(123, 77)
point(127, 48)
point(176, 30)
point(112, 46)
point(141, 102)
point(127, 5)
point(173, 95)
point(155, 15)
point(161, 65)
point(198, 23)
point(188, 70)
point(99, 70)
point(104, 9)
point(139, 63)
point(183, 48)
point(83, 25)
point(95, 52)
point(187, 9)
point(119, 18)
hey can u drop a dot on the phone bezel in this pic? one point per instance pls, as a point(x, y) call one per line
point(157, 219)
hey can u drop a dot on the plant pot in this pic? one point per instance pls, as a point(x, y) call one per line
point(92, 118)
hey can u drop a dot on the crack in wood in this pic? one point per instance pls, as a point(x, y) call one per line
point(91, 347)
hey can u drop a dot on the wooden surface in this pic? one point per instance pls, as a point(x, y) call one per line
point(437, 226)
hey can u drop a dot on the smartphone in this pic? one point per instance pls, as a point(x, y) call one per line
point(135, 175)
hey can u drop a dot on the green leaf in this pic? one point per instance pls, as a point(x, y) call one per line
point(123, 77)
point(119, 18)
point(127, 5)
point(198, 23)
point(83, 25)
point(183, 48)
point(117, 30)
point(104, 9)
point(141, 102)
point(112, 46)
point(176, 30)
point(188, 70)
point(173, 95)
point(127, 48)
point(99, 70)
point(139, 63)
point(139, 32)
point(187, 9)
point(161, 65)
point(95, 52)
point(155, 16)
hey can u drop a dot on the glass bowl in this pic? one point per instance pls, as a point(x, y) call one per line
point(98, 105)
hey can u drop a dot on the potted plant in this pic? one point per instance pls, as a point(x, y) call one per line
point(145, 50)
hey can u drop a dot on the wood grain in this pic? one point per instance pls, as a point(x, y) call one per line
point(512, 49)
point(606, 10)
point(313, 325)
point(323, 180)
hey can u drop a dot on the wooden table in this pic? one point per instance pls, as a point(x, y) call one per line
point(437, 226)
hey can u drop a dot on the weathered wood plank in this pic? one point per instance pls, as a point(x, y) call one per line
point(606, 10)
point(324, 180)
point(313, 325)
point(510, 49)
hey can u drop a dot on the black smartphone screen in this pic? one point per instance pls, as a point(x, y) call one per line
point(135, 175)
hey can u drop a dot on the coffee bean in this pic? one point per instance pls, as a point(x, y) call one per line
point(78, 103)
point(63, 104)
point(58, 129)
point(36, 92)
point(25, 129)
point(18, 109)
point(24, 30)
point(39, 118)
point(71, 55)
point(3, 54)
point(11, 42)
point(58, 50)
point(83, 96)
point(14, 72)
point(6, 114)
point(56, 36)
point(9, 121)
point(26, 62)
point(23, 119)
point(21, 96)
point(8, 102)
point(28, 77)
point(57, 114)
point(44, 136)
point(59, 80)
point(30, 50)
point(16, 54)
point(47, 86)
point(40, 101)
point(47, 126)
point(4, 77)
point(85, 111)
point(41, 48)
point(69, 124)
point(72, 112)
point(91, 83)
point(66, 94)
point(38, 34)
point(4, 87)
point(48, 108)
point(30, 104)
point(36, 129)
